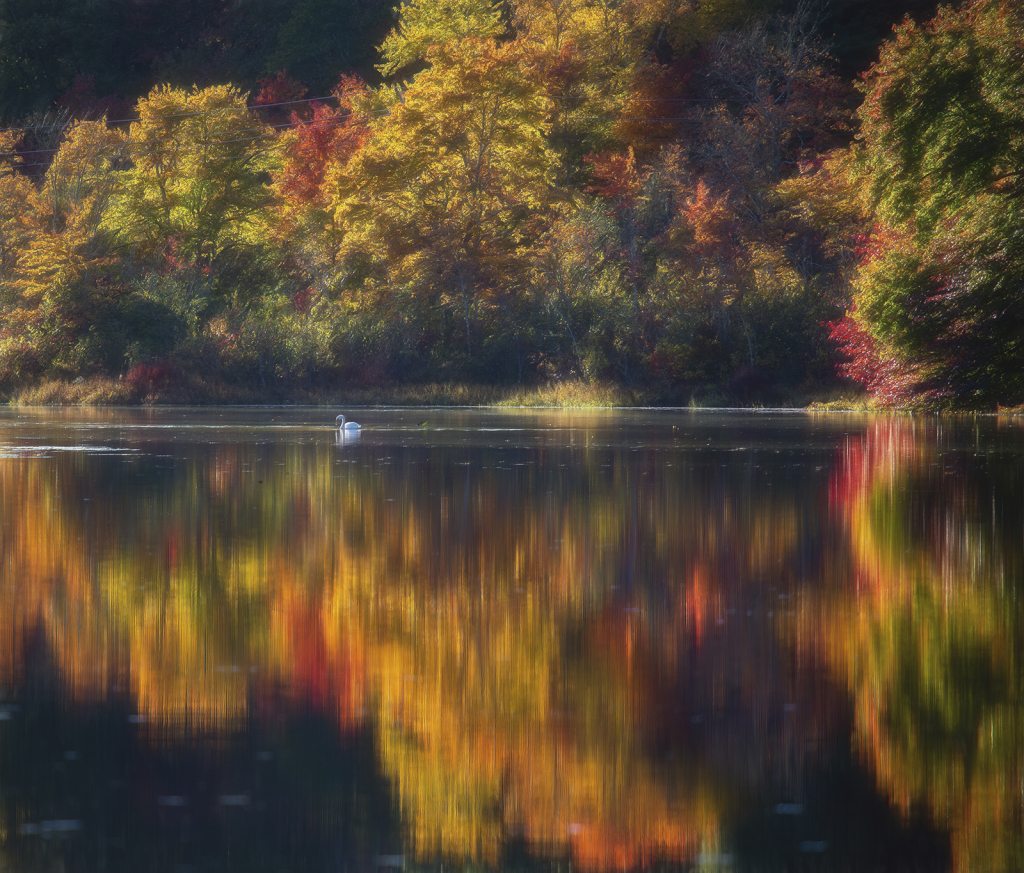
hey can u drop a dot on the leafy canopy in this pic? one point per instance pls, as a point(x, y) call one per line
point(198, 175)
point(942, 165)
point(428, 23)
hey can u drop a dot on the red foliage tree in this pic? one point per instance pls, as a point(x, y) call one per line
point(82, 102)
point(278, 98)
point(330, 135)
point(890, 381)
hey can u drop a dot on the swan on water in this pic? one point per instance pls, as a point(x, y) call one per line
point(340, 422)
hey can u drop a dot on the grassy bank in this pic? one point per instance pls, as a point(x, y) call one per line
point(194, 391)
point(111, 392)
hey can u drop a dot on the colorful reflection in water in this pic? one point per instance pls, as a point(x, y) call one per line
point(923, 624)
point(617, 640)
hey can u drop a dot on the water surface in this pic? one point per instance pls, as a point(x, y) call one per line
point(231, 640)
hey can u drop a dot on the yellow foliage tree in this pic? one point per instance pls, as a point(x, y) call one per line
point(58, 258)
point(198, 175)
point(443, 198)
point(428, 23)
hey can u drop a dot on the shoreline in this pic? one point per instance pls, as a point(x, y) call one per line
point(107, 392)
point(99, 392)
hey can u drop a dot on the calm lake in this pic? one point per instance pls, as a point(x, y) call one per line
point(527, 640)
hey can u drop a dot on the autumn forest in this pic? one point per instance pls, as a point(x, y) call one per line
point(700, 200)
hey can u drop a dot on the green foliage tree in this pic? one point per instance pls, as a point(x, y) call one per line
point(942, 165)
point(582, 295)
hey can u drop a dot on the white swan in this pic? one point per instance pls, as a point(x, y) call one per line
point(350, 426)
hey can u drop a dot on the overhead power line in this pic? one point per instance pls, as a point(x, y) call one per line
point(254, 108)
point(322, 123)
point(119, 152)
point(632, 118)
point(632, 99)
point(260, 106)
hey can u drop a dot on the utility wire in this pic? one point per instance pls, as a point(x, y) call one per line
point(254, 108)
point(320, 124)
point(632, 99)
point(632, 118)
point(314, 125)
point(260, 106)
point(378, 113)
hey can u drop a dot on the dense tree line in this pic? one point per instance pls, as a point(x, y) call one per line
point(690, 197)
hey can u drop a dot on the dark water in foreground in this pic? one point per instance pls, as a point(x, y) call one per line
point(535, 641)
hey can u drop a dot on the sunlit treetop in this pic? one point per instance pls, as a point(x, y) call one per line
point(427, 23)
point(943, 116)
point(199, 160)
point(84, 166)
point(464, 149)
